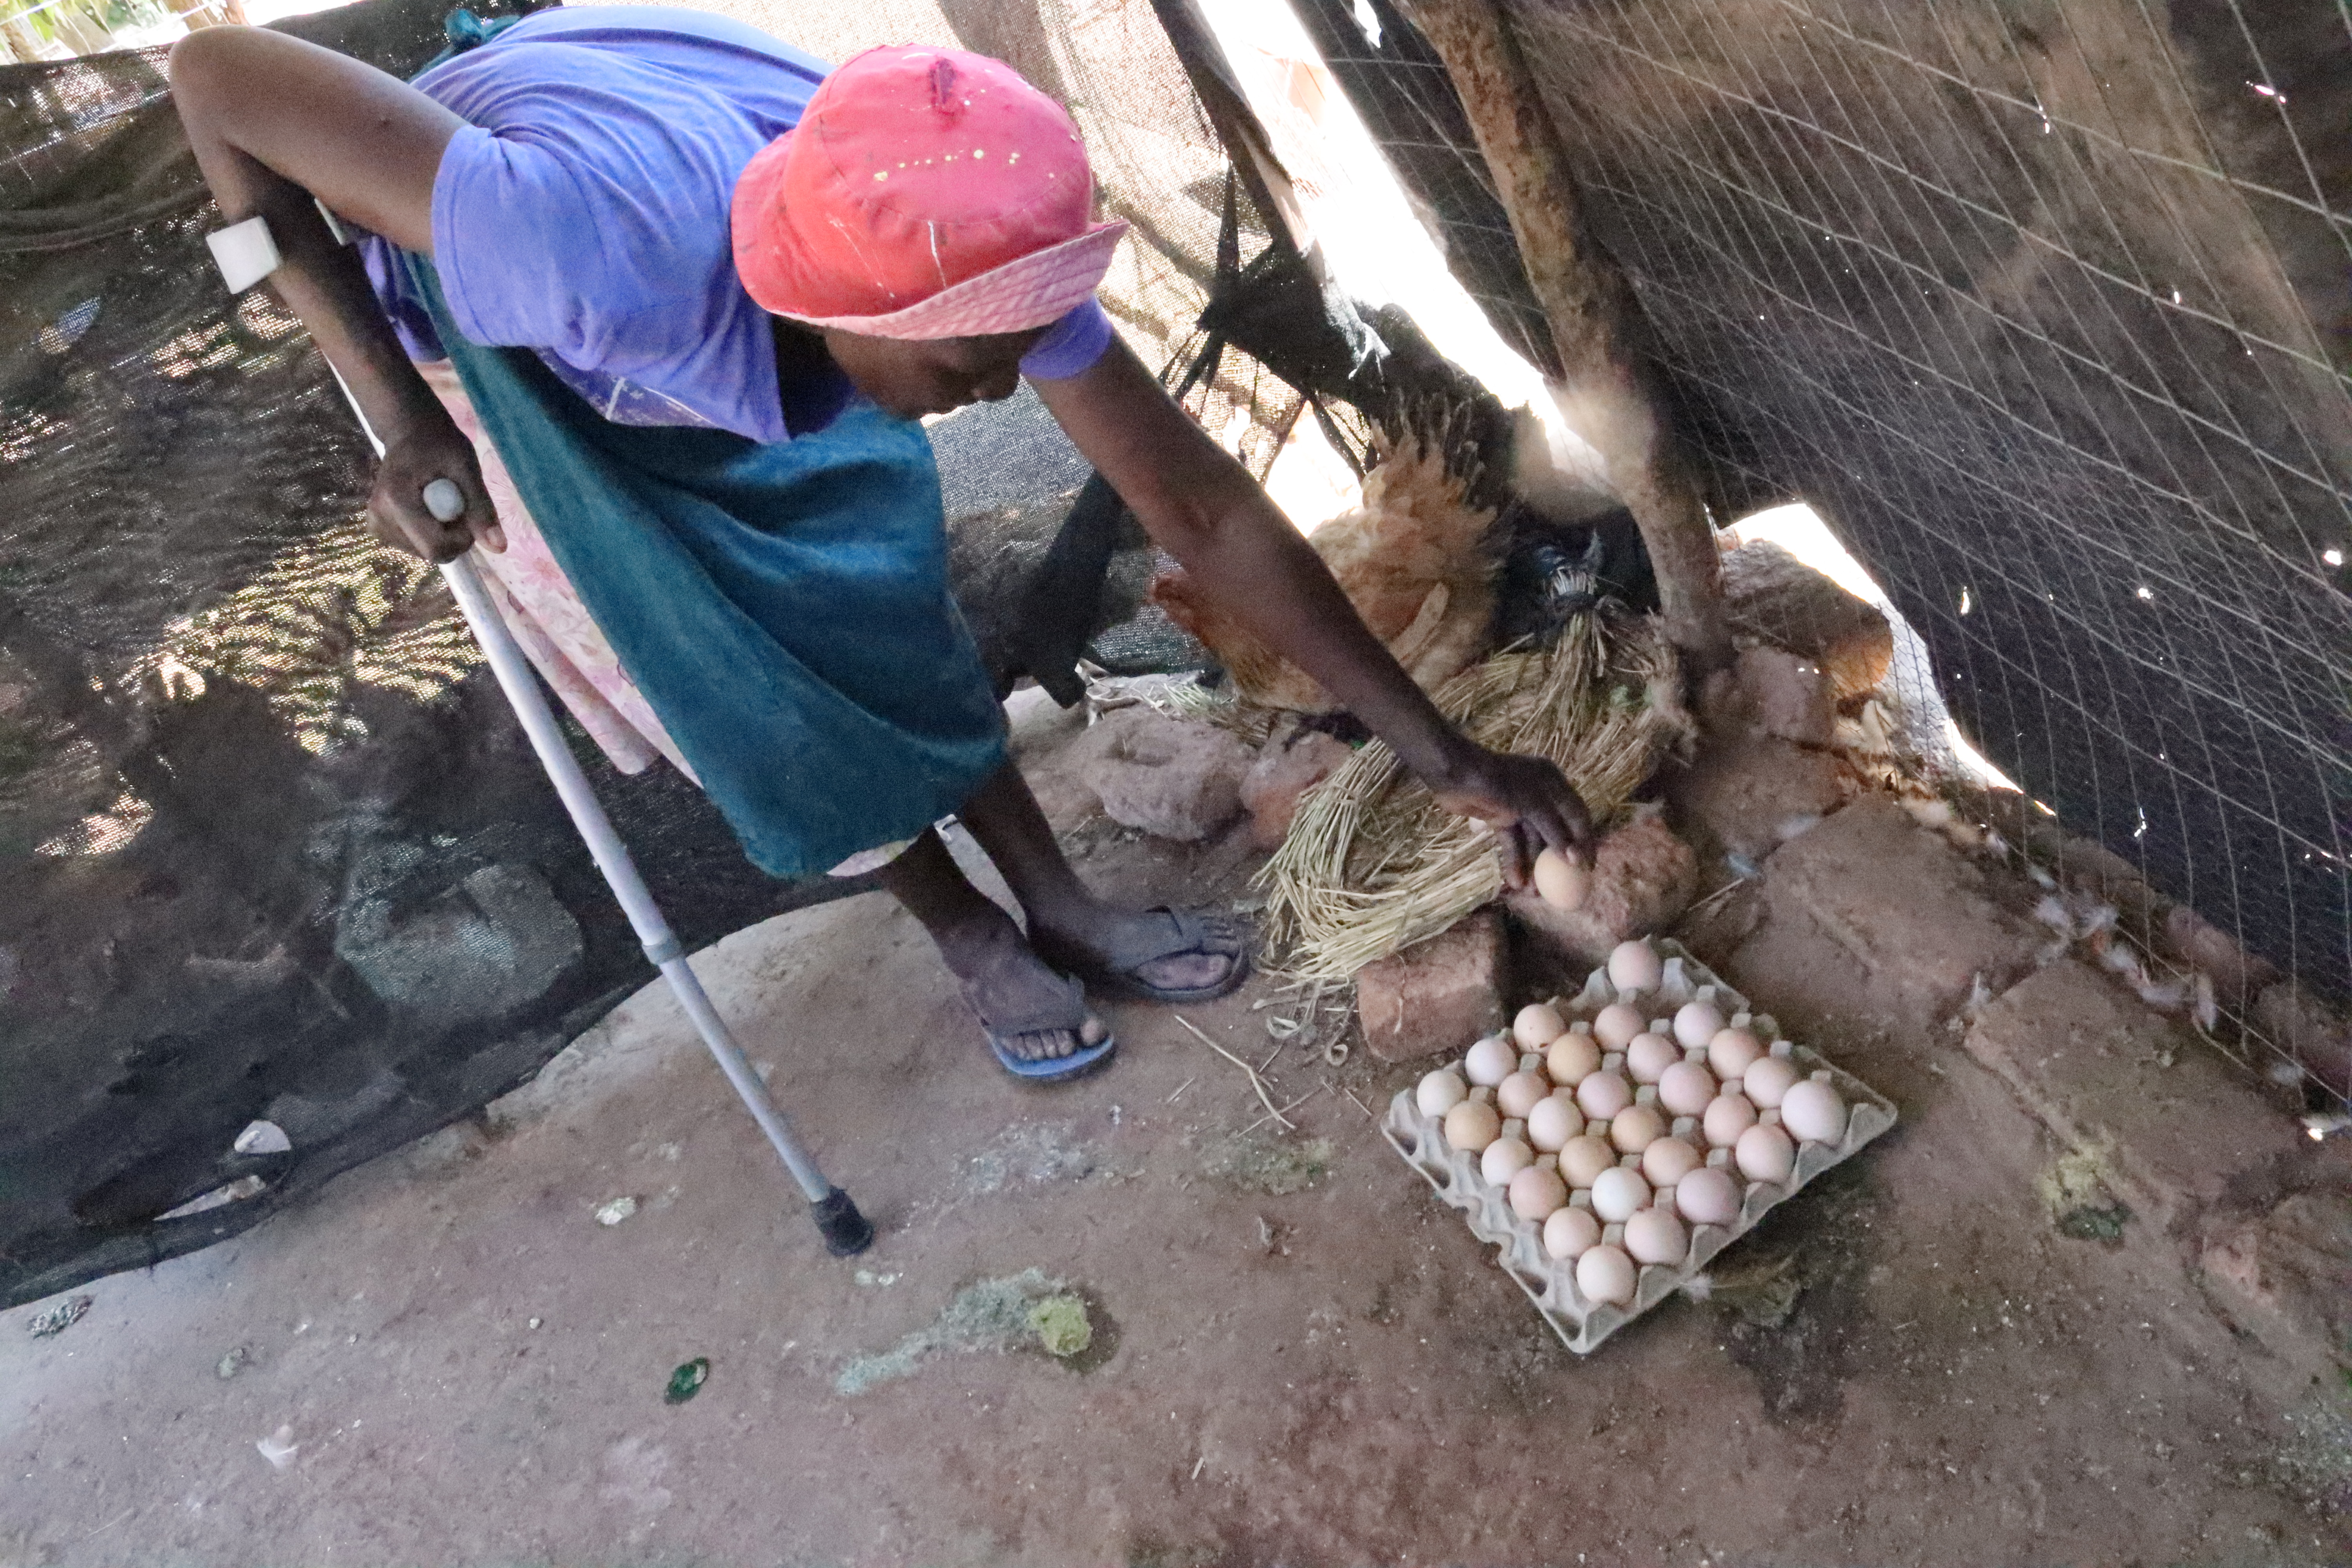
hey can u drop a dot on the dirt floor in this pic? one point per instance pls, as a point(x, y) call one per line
point(1300, 1357)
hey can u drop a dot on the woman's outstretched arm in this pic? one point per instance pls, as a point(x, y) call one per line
point(1202, 507)
point(275, 122)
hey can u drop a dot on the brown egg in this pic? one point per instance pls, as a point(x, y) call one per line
point(1560, 881)
point(1666, 1160)
point(1584, 1157)
point(1728, 1115)
point(1472, 1125)
point(1573, 1057)
point(1635, 1128)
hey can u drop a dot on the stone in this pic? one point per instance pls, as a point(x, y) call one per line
point(495, 941)
point(1643, 879)
point(2314, 1037)
point(1172, 778)
point(2286, 1277)
point(1436, 996)
point(1770, 691)
point(1283, 772)
point(1772, 596)
point(2169, 1121)
point(1747, 795)
point(1910, 910)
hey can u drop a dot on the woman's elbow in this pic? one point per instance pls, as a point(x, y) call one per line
point(214, 66)
point(198, 63)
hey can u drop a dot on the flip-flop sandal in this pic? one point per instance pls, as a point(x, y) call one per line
point(1068, 1012)
point(1182, 932)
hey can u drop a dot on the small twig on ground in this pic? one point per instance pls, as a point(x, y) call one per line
point(1359, 1105)
point(1271, 1115)
point(1717, 897)
point(1256, 1082)
point(1180, 1088)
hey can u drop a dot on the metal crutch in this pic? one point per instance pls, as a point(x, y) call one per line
point(245, 253)
point(846, 1231)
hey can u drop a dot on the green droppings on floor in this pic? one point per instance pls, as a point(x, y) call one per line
point(1061, 1325)
point(1258, 1163)
point(2081, 1203)
point(1020, 1312)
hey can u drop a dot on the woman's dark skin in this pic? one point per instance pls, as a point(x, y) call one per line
point(275, 121)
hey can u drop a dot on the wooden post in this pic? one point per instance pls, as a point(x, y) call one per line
point(1595, 320)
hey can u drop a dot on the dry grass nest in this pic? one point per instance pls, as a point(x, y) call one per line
point(1373, 864)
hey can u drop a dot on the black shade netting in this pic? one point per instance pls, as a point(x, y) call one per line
point(2043, 308)
point(273, 845)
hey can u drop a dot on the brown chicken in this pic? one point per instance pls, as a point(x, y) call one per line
point(1415, 560)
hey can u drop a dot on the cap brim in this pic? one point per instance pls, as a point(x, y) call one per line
point(1029, 291)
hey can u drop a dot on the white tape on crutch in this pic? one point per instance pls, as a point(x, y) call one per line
point(445, 500)
point(244, 252)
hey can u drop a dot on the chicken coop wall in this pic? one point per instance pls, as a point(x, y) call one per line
point(2042, 306)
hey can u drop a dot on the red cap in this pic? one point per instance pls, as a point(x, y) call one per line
point(927, 193)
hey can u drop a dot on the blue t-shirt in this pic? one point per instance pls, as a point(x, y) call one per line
point(583, 212)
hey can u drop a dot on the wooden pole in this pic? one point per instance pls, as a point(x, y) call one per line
point(1596, 323)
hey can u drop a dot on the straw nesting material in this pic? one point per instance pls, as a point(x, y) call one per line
point(1372, 863)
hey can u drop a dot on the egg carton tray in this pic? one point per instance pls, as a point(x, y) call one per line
point(1581, 1323)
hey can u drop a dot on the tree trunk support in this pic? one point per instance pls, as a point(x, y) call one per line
point(1596, 323)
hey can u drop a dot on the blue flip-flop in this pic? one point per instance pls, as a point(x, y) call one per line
point(1069, 1012)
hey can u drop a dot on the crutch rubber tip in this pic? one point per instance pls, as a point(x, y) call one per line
point(846, 1232)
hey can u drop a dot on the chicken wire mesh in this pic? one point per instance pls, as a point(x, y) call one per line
point(273, 844)
point(2043, 308)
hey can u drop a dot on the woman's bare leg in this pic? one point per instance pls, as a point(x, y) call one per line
point(1004, 816)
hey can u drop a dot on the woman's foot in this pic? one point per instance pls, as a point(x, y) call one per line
point(1159, 955)
point(1032, 1016)
point(1037, 1021)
